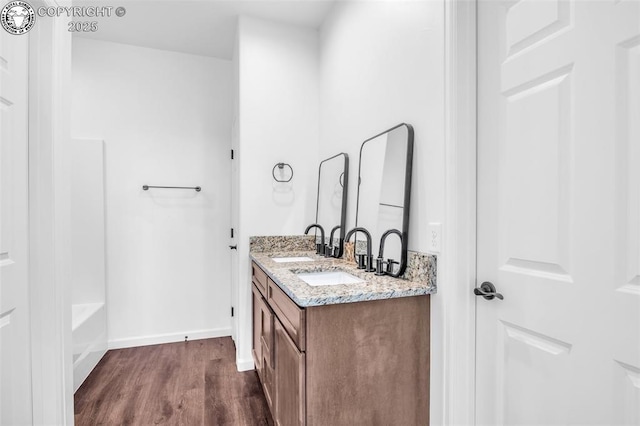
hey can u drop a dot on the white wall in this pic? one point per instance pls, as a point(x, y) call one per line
point(382, 63)
point(278, 113)
point(88, 257)
point(165, 118)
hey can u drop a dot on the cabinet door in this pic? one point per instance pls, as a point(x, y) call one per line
point(268, 361)
point(256, 348)
point(268, 381)
point(267, 333)
point(290, 380)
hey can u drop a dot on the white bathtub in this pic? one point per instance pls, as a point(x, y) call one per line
point(89, 335)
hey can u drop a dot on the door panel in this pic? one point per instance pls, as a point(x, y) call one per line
point(15, 359)
point(534, 240)
point(559, 212)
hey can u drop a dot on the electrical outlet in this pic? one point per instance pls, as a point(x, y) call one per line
point(435, 237)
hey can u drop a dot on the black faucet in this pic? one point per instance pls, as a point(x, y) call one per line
point(330, 247)
point(390, 262)
point(320, 246)
point(369, 263)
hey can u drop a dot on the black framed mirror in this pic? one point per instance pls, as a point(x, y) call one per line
point(384, 196)
point(331, 203)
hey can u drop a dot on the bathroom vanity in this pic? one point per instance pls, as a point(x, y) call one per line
point(337, 342)
point(342, 354)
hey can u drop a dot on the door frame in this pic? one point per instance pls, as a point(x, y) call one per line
point(49, 219)
point(50, 304)
point(458, 262)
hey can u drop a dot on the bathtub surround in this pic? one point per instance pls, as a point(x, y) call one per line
point(88, 312)
point(165, 118)
point(89, 335)
point(88, 221)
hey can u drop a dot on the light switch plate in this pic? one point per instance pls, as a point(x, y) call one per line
point(435, 237)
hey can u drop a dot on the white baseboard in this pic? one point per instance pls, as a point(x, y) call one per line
point(132, 342)
point(244, 364)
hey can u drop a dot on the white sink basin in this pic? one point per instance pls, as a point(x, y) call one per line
point(292, 259)
point(315, 279)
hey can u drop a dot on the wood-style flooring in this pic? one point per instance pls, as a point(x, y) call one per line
point(190, 383)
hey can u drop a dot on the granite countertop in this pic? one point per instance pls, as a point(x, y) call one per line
point(373, 288)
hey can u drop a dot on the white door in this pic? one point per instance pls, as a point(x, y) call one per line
point(559, 212)
point(15, 355)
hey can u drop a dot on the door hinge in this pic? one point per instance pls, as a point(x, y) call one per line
point(232, 311)
point(232, 154)
point(231, 232)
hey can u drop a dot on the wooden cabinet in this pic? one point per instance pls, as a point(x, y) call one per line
point(290, 380)
point(363, 363)
point(256, 347)
point(291, 316)
point(367, 363)
point(268, 380)
point(259, 279)
point(263, 346)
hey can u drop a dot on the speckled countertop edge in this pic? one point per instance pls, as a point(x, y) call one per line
point(373, 288)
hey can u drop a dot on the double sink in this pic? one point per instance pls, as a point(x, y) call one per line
point(319, 278)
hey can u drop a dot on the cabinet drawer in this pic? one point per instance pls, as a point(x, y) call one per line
point(259, 278)
point(290, 315)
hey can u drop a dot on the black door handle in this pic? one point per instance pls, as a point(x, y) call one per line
point(488, 291)
point(234, 247)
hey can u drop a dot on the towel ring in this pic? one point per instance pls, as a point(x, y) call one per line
point(281, 166)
